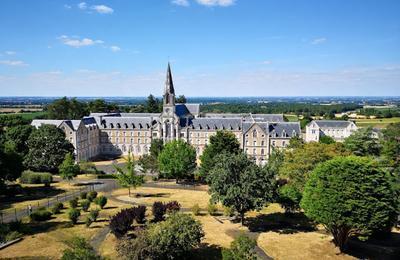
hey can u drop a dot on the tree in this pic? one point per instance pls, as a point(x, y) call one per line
point(127, 176)
point(149, 162)
point(222, 142)
point(181, 99)
point(68, 169)
point(350, 196)
point(289, 198)
point(237, 182)
point(101, 106)
point(325, 139)
point(79, 249)
point(47, 148)
point(152, 104)
point(156, 146)
point(391, 145)
point(296, 142)
point(241, 248)
point(10, 165)
point(65, 108)
point(362, 143)
point(17, 136)
point(12, 120)
point(177, 160)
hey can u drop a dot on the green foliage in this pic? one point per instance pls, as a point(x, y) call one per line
point(229, 211)
point(196, 209)
point(65, 108)
point(101, 201)
point(137, 248)
point(10, 163)
point(237, 182)
point(73, 215)
point(12, 120)
point(17, 136)
point(85, 204)
point(94, 214)
point(88, 221)
point(350, 196)
point(181, 99)
point(222, 142)
point(83, 195)
point(212, 209)
point(79, 249)
point(325, 139)
point(289, 198)
point(175, 237)
point(153, 105)
point(40, 214)
point(47, 149)
point(241, 248)
point(177, 160)
point(148, 163)
point(11, 231)
point(87, 167)
point(101, 106)
point(31, 177)
point(73, 203)
point(157, 145)
point(56, 209)
point(391, 145)
point(91, 195)
point(68, 169)
point(362, 143)
point(127, 177)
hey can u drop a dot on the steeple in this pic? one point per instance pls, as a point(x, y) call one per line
point(169, 92)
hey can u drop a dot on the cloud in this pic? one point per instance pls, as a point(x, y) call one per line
point(266, 62)
point(16, 63)
point(10, 52)
point(77, 43)
point(216, 2)
point(318, 41)
point(82, 5)
point(115, 48)
point(67, 6)
point(102, 9)
point(180, 2)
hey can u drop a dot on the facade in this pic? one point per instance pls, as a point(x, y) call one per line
point(337, 129)
point(119, 133)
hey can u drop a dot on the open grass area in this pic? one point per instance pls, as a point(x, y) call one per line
point(377, 122)
point(292, 118)
point(28, 115)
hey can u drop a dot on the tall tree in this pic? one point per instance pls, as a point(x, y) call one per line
point(152, 104)
point(47, 148)
point(391, 145)
point(10, 164)
point(156, 146)
point(68, 169)
point(350, 196)
point(127, 175)
point(101, 106)
point(65, 108)
point(222, 142)
point(18, 137)
point(149, 162)
point(177, 160)
point(181, 99)
point(237, 182)
point(362, 143)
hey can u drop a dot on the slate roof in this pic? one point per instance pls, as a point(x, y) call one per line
point(193, 108)
point(216, 123)
point(248, 117)
point(248, 125)
point(284, 129)
point(39, 122)
point(332, 123)
point(126, 122)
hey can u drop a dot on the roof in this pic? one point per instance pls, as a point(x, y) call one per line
point(39, 122)
point(193, 108)
point(248, 117)
point(332, 123)
point(284, 129)
point(217, 123)
point(127, 122)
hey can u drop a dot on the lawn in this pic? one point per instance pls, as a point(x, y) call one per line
point(377, 122)
point(28, 115)
point(292, 118)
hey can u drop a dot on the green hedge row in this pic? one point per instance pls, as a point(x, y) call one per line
point(30, 177)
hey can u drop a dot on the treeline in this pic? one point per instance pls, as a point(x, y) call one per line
point(380, 113)
point(281, 107)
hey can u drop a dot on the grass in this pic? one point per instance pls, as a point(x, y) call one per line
point(292, 118)
point(377, 122)
point(28, 115)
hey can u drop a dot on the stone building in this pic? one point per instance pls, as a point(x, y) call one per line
point(337, 129)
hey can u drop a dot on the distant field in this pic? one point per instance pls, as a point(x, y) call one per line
point(378, 122)
point(292, 118)
point(28, 115)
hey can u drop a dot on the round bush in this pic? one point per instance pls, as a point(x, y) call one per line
point(73, 215)
point(73, 203)
point(101, 201)
point(41, 214)
point(91, 195)
point(57, 208)
point(85, 204)
point(196, 209)
point(83, 195)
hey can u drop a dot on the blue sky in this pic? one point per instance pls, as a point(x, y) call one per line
point(216, 47)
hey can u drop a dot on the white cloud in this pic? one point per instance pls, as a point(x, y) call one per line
point(10, 52)
point(266, 62)
point(115, 48)
point(180, 2)
point(216, 2)
point(76, 42)
point(67, 6)
point(16, 63)
point(318, 40)
point(82, 5)
point(102, 9)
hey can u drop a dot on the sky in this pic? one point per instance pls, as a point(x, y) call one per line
point(215, 47)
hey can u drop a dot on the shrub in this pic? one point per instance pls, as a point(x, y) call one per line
point(83, 195)
point(41, 214)
point(229, 211)
point(101, 201)
point(85, 204)
point(139, 213)
point(73, 215)
point(158, 211)
point(94, 213)
point(57, 208)
point(88, 221)
point(212, 209)
point(30, 177)
point(173, 206)
point(73, 203)
point(175, 237)
point(92, 195)
point(12, 236)
point(289, 198)
point(137, 248)
point(241, 248)
point(196, 209)
point(121, 222)
point(79, 248)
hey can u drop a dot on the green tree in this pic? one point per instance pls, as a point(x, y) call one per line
point(47, 148)
point(10, 165)
point(17, 136)
point(68, 168)
point(222, 142)
point(350, 196)
point(181, 99)
point(156, 146)
point(391, 145)
point(237, 182)
point(363, 143)
point(325, 139)
point(12, 120)
point(101, 106)
point(79, 249)
point(127, 176)
point(65, 108)
point(177, 160)
point(241, 248)
point(152, 104)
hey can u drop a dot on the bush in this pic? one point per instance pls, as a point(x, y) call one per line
point(30, 177)
point(134, 248)
point(92, 195)
point(241, 248)
point(94, 213)
point(73, 203)
point(158, 211)
point(289, 198)
point(139, 213)
point(57, 208)
point(88, 221)
point(172, 206)
point(83, 195)
point(101, 201)
point(229, 211)
point(85, 204)
point(196, 209)
point(73, 215)
point(79, 248)
point(175, 237)
point(121, 222)
point(12, 236)
point(212, 209)
point(41, 214)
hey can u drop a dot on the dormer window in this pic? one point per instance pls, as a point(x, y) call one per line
point(118, 125)
point(111, 125)
point(126, 125)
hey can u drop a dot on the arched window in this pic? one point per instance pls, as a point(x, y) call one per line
point(255, 133)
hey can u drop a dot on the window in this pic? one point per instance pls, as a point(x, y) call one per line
point(273, 143)
point(283, 143)
point(313, 131)
point(262, 151)
point(254, 151)
point(262, 143)
point(254, 143)
point(255, 133)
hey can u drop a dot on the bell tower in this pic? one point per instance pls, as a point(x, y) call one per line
point(169, 119)
point(169, 93)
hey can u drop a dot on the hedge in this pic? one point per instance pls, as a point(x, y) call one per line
point(30, 177)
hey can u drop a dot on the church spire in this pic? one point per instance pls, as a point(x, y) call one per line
point(169, 92)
